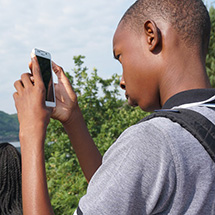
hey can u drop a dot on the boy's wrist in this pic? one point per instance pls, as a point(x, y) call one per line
point(75, 116)
point(33, 133)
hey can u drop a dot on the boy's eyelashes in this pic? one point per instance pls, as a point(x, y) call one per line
point(117, 56)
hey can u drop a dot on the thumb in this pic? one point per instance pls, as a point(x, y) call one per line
point(58, 71)
point(38, 80)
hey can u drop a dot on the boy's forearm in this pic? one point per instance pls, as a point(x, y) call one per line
point(87, 153)
point(34, 186)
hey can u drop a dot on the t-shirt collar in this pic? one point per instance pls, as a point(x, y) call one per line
point(188, 97)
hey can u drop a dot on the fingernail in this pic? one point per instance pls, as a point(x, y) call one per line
point(32, 55)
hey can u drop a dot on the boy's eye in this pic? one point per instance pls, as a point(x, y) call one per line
point(118, 56)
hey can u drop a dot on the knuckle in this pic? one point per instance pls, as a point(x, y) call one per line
point(15, 83)
point(15, 95)
point(41, 89)
point(75, 97)
point(24, 75)
point(58, 68)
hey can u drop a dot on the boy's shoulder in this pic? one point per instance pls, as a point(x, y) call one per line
point(197, 124)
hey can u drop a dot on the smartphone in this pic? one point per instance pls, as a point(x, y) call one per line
point(45, 63)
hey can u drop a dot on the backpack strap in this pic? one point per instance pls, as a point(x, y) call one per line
point(198, 125)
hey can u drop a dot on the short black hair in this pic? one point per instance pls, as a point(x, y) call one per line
point(10, 180)
point(189, 18)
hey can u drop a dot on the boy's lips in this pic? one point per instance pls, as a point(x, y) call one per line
point(128, 99)
point(130, 102)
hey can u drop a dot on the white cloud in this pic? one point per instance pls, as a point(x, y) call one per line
point(65, 28)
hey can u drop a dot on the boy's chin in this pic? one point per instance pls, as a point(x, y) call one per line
point(150, 107)
point(131, 102)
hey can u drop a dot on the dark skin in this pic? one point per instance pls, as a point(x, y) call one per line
point(34, 117)
point(155, 67)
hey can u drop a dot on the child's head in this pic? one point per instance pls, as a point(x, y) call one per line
point(189, 18)
point(10, 180)
point(149, 35)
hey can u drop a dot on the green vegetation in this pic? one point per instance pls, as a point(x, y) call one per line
point(9, 127)
point(106, 116)
point(210, 60)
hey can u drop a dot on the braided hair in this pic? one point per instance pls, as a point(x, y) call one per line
point(10, 180)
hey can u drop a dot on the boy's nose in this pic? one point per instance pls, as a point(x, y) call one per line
point(122, 83)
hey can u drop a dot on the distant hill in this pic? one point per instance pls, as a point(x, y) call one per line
point(9, 127)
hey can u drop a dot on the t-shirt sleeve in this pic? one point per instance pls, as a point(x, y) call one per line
point(137, 175)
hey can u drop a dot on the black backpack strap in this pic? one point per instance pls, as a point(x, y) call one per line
point(198, 125)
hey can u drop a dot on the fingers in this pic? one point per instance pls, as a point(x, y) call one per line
point(25, 82)
point(36, 71)
point(15, 95)
point(58, 71)
point(30, 66)
point(18, 86)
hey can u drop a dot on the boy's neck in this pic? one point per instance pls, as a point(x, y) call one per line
point(184, 72)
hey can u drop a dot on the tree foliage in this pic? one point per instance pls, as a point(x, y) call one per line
point(9, 127)
point(106, 116)
point(210, 59)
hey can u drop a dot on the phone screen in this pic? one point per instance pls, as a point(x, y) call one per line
point(45, 68)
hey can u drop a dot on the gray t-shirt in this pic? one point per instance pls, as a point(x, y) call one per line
point(155, 167)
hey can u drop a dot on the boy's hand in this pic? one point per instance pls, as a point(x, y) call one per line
point(66, 100)
point(30, 100)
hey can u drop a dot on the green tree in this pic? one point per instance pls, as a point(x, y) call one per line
point(9, 127)
point(106, 116)
point(210, 59)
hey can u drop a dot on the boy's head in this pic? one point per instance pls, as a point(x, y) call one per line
point(189, 18)
point(149, 29)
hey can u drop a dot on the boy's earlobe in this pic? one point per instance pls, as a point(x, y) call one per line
point(153, 34)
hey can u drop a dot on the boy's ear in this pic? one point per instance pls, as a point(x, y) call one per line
point(153, 34)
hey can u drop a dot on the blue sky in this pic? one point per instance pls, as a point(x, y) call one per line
point(65, 28)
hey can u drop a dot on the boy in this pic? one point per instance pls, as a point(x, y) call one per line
point(155, 167)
